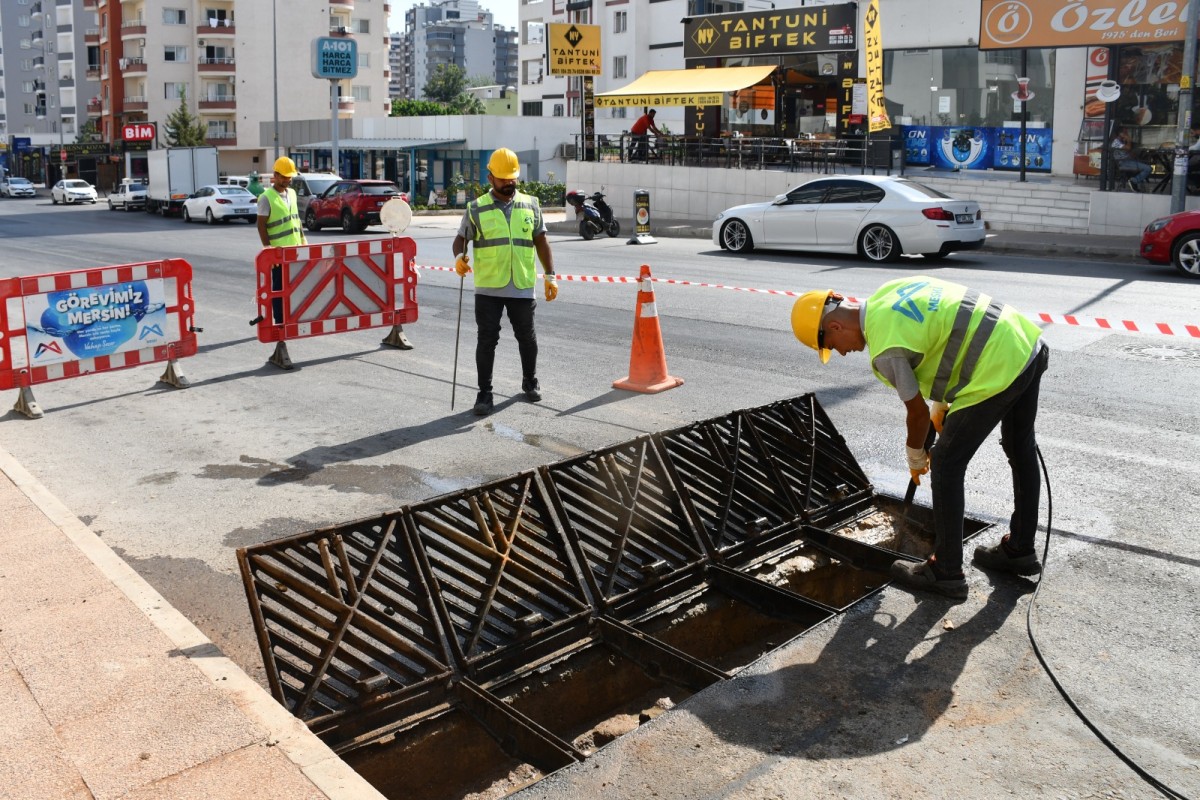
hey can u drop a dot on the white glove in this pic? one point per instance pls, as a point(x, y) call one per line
point(937, 414)
point(918, 462)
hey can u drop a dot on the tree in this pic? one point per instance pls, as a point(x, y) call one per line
point(87, 133)
point(182, 128)
point(448, 85)
point(419, 108)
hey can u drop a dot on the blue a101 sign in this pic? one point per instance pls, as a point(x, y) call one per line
point(334, 57)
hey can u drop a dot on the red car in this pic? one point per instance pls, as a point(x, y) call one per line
point(1174, 240)
point(353, 204)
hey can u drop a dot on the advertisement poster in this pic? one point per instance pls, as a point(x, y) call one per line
point(95, 321)
point(977, 148)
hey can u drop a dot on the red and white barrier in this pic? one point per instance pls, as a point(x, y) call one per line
point(66, 324)
point(1160, 328)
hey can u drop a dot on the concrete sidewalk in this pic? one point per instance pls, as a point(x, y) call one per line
point(110, 692)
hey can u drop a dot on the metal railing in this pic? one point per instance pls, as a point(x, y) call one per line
point(794, 155)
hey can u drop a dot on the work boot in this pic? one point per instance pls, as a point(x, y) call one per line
point(920, 575)
point(483, 404)
point(1000, 558)
point(532, 390)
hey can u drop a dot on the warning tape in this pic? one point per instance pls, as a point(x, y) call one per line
point(1159, 328)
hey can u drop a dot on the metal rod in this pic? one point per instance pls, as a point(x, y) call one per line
point(275, 73)
point(1186, 88)
point(457, 331)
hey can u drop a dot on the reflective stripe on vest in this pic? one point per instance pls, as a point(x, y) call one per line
point(972, 348)
point(283, 226)
point(504, 247)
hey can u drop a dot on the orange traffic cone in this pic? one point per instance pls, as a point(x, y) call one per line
point(647, 362)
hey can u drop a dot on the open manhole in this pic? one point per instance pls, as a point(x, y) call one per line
point(474, 642)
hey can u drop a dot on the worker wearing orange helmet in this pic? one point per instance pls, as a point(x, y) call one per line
point(505, 227)
point(981, 362)
point(278, 213)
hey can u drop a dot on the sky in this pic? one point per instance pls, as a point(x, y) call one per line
point(504, 12)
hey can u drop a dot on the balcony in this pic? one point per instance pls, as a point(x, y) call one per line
point(89, 3)
point(220, 102)
point(218, 65)
point(134, 27)
point(213, 26)
point(91, 36)
point(132, 65)
point(135, 103)
point(222, 138)
point(341, 5)
point(93, 72)
point(345, 105)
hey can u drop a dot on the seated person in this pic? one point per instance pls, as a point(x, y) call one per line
point(1122, 154)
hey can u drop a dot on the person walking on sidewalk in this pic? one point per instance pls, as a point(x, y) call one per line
point(505, 226)
point(981, 362)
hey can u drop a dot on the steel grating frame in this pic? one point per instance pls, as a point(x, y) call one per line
point(506, 584)
point(345, 622)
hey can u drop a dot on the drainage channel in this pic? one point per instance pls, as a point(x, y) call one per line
point(479, 640)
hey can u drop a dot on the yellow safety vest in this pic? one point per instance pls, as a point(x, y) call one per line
point(283, 226)
point(504, 247)
point(973, 347)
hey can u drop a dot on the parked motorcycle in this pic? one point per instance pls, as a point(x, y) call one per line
point(594, 215)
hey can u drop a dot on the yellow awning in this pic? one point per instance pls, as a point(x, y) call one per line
point(683, 87)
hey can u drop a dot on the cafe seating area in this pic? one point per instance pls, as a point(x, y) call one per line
point(818, 153)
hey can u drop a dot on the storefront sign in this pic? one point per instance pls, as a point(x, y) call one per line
point(573, 49)
point(877, 115)
point(1007, 24)
point(816, 29)
point(86, 149)
point(334, 58)
point(977, 148)
point(138, 132)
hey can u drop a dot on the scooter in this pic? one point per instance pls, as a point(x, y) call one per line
point(594, 215)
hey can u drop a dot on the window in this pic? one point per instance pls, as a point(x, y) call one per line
point(174, 91)
point(174, 16)
point(174, 53)
point(531, 109)
point(364, 59)
point(220, 129)
point(619, 66)
point(619, 113)
point(535, 33)
point(362, 26)
point(361, 93)
point(23, 20)
point(620, 20)
point(558, 109)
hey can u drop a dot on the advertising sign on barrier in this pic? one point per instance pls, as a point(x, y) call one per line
point(66, 324)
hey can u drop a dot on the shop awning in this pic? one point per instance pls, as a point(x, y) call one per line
point(684, 87)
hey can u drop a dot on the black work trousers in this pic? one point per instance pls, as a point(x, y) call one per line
point(488, 311)
point(1015, 411)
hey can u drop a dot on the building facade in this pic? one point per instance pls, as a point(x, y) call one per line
point(459, 33)
point(47, 75)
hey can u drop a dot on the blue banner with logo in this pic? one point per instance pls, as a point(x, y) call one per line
point(967, 147)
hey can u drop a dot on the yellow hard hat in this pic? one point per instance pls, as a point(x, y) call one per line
point(504, 164)
point(286, 167)
point(806, 320)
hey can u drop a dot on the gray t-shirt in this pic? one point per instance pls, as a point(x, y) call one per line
point(466, 229)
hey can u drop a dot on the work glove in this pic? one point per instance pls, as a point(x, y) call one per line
point(918, 462)
point(462, 266)
point(551, 288)
point(937, 415)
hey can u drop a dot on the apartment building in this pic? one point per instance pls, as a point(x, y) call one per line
point(455, 32)
point(44, 78)
point(234, 63)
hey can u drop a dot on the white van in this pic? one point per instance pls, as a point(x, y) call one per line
point(234, 180)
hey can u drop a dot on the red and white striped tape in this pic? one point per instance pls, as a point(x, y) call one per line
point(1159, 328)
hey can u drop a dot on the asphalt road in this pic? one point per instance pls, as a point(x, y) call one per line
point(176, 480)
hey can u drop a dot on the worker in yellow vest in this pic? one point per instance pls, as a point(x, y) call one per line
point(505, 227)
point(981, 363)
point(278, 213)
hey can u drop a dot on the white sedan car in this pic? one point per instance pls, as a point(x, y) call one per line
point(215, 204)
point(17, 187)
point(72, 190)
point(879, 217)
